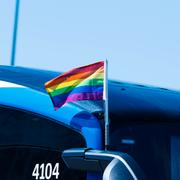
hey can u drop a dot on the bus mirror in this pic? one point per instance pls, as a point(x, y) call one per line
point(75, 159)
point(113, 165)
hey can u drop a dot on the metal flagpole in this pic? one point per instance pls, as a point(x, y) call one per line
point(13, 51)
point(106, 113)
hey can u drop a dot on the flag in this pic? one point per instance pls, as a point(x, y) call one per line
point(83, 83)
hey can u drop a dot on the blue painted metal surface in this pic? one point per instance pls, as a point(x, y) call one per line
point(69, 115)
point(124, 98)
point(127, 102)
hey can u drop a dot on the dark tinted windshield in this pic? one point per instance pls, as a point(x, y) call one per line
point(31, 147)
point(155, 146)
point(24, 128)
point(145, 123)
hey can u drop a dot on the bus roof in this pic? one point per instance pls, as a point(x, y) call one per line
point(125, 99)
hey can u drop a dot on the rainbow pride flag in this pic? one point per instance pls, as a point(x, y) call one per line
point(83, 83)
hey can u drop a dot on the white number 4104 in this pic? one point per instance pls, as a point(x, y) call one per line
point(45, 171)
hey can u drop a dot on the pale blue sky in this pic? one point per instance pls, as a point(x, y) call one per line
point(141, 39)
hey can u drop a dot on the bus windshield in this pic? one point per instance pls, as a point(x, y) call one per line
point(155, 146)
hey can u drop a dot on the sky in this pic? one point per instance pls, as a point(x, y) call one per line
point(140, 39)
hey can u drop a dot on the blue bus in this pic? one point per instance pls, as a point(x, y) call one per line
point(37, 142)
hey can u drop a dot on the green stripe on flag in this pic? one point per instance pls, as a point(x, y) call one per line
point(86, 82)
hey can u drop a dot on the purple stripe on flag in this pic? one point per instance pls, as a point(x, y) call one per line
point(85, 96)
point(78, 97)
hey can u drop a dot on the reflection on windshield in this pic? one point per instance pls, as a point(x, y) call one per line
point(127, 141)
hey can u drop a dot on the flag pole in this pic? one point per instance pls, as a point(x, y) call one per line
point(106, 113)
